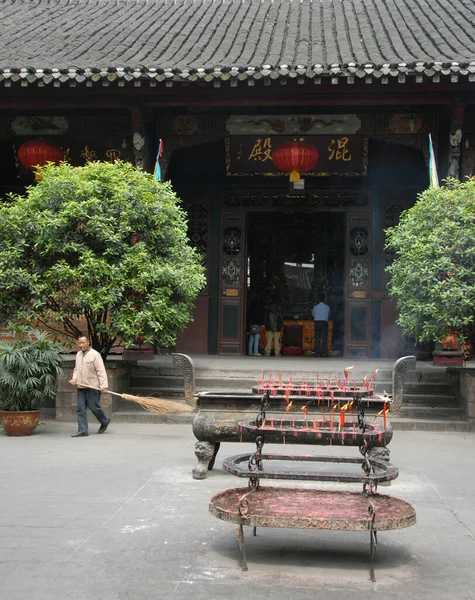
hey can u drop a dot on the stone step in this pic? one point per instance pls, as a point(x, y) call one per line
point(415, 411)
point(434, 389)
point(431, 400)
point(406, 424)
point(144, 416)
point(201, 383)
point(435, 375)
point(173, 393)
point(421, 375)
point(256, 373)
point(214, 383)
point(127, 405)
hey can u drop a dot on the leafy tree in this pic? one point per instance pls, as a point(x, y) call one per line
point(432, 276)
point(104, 242)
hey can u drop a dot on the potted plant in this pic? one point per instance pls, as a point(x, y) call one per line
point(449, 352)
point(29, 364)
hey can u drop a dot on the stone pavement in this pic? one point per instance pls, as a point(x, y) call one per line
point(119, 517)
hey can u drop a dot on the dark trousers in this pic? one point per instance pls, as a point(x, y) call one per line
point(321, 338)
point(89, 399)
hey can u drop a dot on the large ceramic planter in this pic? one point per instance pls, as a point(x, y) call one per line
point(448, 352)
point(448, 358)
point(19, 423)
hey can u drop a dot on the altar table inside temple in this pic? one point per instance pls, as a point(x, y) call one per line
point(307, 341)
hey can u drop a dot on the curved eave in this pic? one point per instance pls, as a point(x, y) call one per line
point(420, 72)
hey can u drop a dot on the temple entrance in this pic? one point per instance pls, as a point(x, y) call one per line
point(291, 259)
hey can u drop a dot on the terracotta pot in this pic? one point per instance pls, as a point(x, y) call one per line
point(19, 423)
point(448, 358)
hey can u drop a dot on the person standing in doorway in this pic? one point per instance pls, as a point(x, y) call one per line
point(274, 323)
point(89, 373)
point(256, 323)
point(321, 314)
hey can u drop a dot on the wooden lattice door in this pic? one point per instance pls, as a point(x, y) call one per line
point(358, 286)
point(232, 275)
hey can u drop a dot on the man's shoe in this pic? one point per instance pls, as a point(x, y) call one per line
point(80, 434)
point(104, 427)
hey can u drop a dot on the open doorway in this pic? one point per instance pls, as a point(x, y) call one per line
point(294, 257)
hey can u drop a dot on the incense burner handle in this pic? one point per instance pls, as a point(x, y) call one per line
point(188, 366)
point(406, 363)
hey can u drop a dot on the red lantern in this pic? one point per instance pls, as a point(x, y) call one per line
point(295, 157)
point(38, 153)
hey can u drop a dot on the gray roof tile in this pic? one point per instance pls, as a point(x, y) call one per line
point(216, 35)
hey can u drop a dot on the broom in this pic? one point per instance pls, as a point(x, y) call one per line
point(151, 403)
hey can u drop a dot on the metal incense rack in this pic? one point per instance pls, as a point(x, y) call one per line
point(309, 508)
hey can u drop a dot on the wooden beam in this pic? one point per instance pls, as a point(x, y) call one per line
point(205, 96)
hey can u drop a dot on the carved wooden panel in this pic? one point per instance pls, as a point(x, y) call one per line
point(232, 284)
point(358, 286)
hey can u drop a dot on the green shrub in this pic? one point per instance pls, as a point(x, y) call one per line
point(432, 276)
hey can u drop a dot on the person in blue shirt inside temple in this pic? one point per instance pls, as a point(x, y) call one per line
point(321, 314)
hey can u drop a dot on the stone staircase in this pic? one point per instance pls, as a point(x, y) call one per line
point(430, 400)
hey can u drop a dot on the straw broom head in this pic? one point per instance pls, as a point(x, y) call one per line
point(158, 405)
point(151, 403)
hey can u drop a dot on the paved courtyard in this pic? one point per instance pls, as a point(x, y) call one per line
point(119, 517)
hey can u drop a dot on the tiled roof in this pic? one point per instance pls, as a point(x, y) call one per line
point(104, 41)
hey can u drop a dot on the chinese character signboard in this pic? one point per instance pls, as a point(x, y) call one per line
point(338, 154)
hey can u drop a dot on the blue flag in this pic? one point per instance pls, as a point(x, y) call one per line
point(158, 170)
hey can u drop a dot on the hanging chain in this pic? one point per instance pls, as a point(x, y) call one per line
point(255, 462)
point(265, 401)
point(369, 487)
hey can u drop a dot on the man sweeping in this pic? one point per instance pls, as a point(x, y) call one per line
point(90, 377)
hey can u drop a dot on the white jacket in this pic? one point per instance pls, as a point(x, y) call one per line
point(89, 370)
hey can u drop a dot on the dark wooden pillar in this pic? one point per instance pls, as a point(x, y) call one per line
point(358, 285)
point(194, 339)
point(232, 273)
point(468, 154)
point(377, 274)
point(143, 138)
point(455, 139)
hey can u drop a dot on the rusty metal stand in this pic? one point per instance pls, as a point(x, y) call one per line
point(373, 539)
point(242, 547)
point(308, 508)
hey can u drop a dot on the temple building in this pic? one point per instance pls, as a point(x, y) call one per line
point(222, 86)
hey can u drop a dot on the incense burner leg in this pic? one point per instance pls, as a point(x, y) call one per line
point(213, 458)
point(373, 542)
point(242, 547)
point(205, 452)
